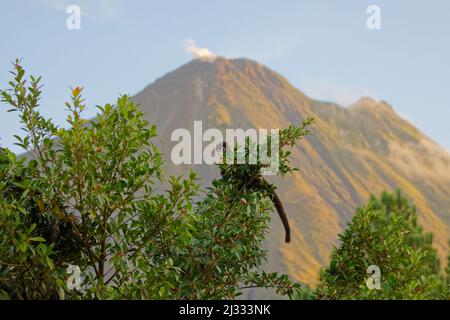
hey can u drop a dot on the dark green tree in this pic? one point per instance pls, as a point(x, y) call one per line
point(384, 233)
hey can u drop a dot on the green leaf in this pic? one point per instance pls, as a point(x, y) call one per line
point(37, 239)
point(49, 262)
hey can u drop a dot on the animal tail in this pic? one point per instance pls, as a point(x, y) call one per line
point(280, 209)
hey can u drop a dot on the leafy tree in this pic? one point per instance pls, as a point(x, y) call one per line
point(384, 233)
point(89, 198)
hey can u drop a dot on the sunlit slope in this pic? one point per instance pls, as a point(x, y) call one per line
point(353, 152)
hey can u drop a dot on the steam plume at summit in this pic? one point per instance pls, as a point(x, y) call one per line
point(199, 53)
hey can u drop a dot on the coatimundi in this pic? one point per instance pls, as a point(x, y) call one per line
point(259, 183)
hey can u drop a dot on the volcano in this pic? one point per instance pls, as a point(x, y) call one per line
point(353, 152)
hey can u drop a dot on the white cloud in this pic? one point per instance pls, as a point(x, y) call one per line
point(98, 10)
point(344, 96)
point(199, 53)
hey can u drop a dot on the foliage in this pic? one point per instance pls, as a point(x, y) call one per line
point(88, 197)
point(384, 233)
point(306, 293)
point(33, 243)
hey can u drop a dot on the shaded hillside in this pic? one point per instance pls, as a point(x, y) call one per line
point(355, 151)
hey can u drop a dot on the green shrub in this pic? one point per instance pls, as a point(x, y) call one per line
point(384, 233)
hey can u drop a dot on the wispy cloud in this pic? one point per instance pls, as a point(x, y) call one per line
point(344, 96)
point(98, 10)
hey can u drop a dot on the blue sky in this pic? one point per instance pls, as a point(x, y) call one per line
point(323, 47)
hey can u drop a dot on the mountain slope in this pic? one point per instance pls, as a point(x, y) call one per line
point(353, 152)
